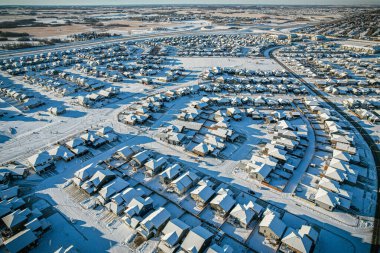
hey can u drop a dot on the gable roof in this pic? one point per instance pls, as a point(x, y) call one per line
point(40, 158)
point(295, 241)
point(86, 172)
point(75, 142)
point(100, 176)
point(185, 180)
point(115, 186)
point(171, 171)
point(215, 248)
point(326, 197)
point(20, 241)
point(15, 218)
point(126, 152)
point(274, 223)
point(243, 213)
point(195, 239)
point(136, 204)
point(156, 219)
point(343, 156)
point(224, 201)
point(329, 185)
point(154, 164)
point(61, 152)
point(309, 231)
point(204, 192)
point(128, 194)
point(173, 231)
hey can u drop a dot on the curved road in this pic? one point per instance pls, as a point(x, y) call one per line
point(376, 234)
point(375, 247)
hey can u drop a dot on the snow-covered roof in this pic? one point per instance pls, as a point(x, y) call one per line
point(115, 186)
point(202, 148)
point(242, 213)
point(128, 194)
point(173, 231)
point(100, 176)
point(86, 172)
point(274, 223)
point(156, 219)
point(185, 180)
point(285, 125)
point(20, 241)
point(263, 169)
point(295, 241)
point(15, 218)
point(195, 239)
point(142, 156)
point(215, 248)
point(126, 152)
point(335, 174)
point(171, 172)
point(40, 159)
point(61, 152)
point(329, 185)
point(339, 164)
point(204, 192)
point(136, 205)
point(155, 164)
point(309, 231)
point(224, 201)
point(326, 197)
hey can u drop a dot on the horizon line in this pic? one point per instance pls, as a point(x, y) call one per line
point(199, 4)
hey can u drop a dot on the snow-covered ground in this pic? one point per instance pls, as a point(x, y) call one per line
point(96, 230)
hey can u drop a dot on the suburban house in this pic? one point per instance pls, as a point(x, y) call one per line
point(294, 242)
point(170, 173)
point(184, 182)
point(21, 241)
point(272, 227)
point(95, 183)
point(153, 167)
point(223, 202)
point(241, 215)
point(111, 188)
point(141, 158)
point(172, 234)
point(215, 248)
point(41, 162)
point(329, 200)
point(154, 223)
point(202, 194)
point(196, 240)
point(138, 206)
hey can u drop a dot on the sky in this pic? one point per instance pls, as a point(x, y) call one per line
point(139, 2)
